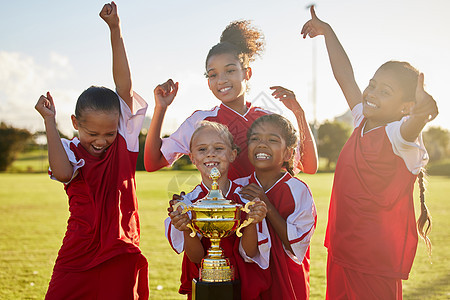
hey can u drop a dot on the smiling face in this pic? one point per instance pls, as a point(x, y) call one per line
point(209, 149)
point(384, 99)
point(227, 80)
point(97, 130)
point(267, 150)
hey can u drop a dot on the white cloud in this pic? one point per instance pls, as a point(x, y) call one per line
point(22, 81)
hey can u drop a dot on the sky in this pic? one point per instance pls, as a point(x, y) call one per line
point(63, 47)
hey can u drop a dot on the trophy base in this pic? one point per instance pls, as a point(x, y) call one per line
point(230, 290)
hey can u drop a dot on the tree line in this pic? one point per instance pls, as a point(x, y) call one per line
point(332, 136)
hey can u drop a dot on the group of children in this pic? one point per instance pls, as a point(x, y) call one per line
point(371, 234)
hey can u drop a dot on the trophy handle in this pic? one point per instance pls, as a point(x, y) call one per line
point(246, 222)
point(185, 210)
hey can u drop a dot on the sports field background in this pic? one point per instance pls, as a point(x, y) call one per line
point(34, 211)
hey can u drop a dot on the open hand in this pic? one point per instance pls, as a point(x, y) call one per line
point(165, 93)
point(287, 97)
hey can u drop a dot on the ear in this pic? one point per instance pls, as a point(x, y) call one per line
point(406, 107)
point(209, 84)
point(233, 155)
point(74, 122)
point(192, 159)
point(248, 73)
point(288, 153)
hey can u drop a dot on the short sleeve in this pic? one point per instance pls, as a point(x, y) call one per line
point(76, 163)
point(264, 245)
point(177, 144)
point(130, 124)
point(300, 223)
point(413, 154)
point(357, 113)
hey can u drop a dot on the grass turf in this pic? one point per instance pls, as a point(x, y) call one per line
point(34, 211)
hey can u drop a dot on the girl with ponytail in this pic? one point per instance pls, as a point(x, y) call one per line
point(227, 69)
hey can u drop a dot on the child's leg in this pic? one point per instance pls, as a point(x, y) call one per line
point(124, 277)
point(75, 285)
point(344, 283)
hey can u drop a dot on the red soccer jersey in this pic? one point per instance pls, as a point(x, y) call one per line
point(371, 223)
point(290, 271)
point(103, 221)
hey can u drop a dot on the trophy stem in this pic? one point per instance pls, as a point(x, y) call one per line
point(215, 266)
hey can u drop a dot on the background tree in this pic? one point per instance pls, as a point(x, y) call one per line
point(12, 142)
point(437, 143)
point(332, 137)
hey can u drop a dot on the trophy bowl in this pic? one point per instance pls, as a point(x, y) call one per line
point(215, 217)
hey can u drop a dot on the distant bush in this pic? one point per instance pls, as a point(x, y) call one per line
point(12, 142)
point(441, 168)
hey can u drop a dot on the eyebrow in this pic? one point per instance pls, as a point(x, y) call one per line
point(271, 134)
point(384, 84)
point(229, 65)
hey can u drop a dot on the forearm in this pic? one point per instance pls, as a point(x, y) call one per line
point(342, 68)
point(279, 224)
point(153, 157)
point(412, 127)
point(121, 69)
point(59, 163)
point(193, 248)
point(249, 240)
point(308, 155)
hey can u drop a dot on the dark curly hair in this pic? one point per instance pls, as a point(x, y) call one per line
point(240, 39)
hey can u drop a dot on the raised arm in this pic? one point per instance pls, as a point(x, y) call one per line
point(121, 69)
point(340, 63)
point(308, 159)
point(424, 110)
point(61, 168)
point(164, 95)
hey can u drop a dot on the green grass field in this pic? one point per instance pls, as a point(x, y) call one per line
point(34, 211)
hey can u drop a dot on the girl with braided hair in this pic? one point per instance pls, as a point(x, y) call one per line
point(371, 234)
point(228, 72)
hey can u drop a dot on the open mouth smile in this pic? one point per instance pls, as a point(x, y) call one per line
point(262, 156)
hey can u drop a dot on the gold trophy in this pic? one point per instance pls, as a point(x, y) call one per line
point(216, 217)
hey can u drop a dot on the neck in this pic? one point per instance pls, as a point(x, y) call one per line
point(238, 105)
point(268, 178)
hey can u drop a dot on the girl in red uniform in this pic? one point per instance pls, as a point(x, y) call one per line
point(212, 146)
point(228, 71)
point(100, 256)
point(290, 206)
point(371, 235)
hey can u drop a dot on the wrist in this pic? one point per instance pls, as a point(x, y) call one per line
point(50, 121)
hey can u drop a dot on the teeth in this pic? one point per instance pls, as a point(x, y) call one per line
point(97, 148)
point(225, 89)
point(262, 156)
point(371, 104)
point(211, 164)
